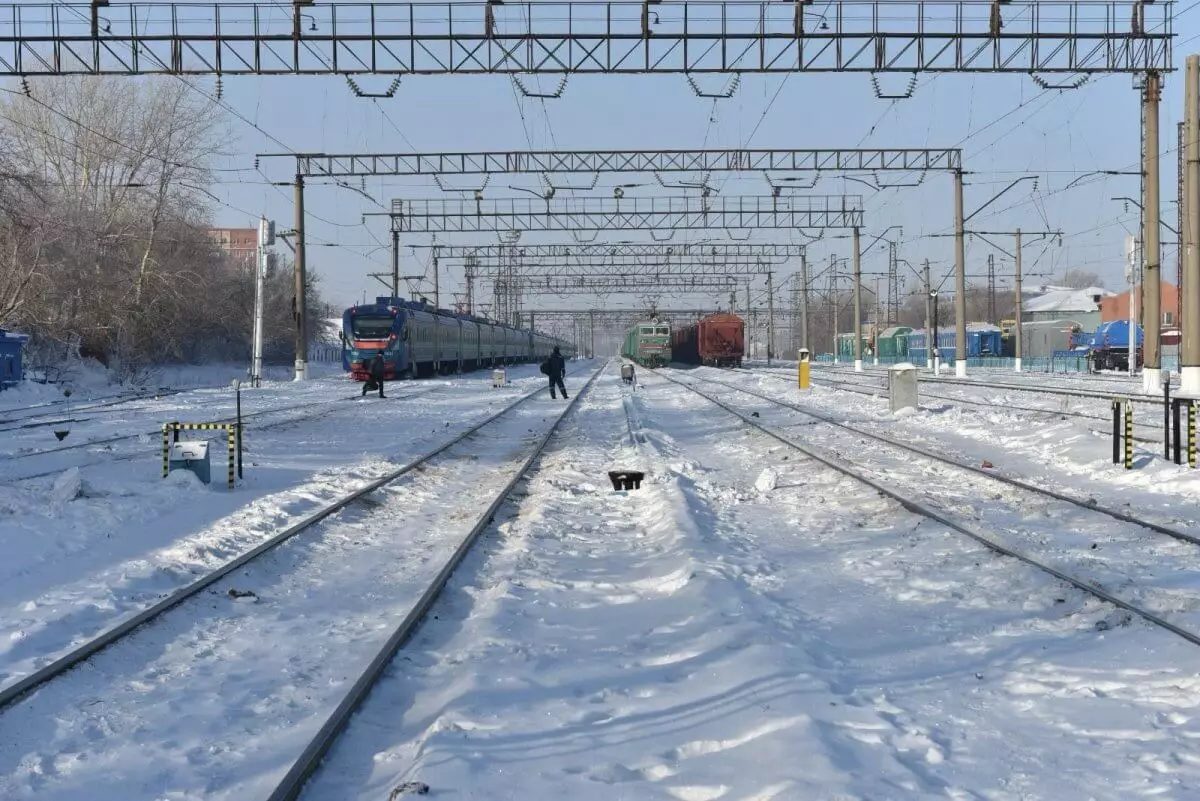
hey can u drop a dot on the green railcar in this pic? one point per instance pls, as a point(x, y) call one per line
point(893, 343)
point(648, 343)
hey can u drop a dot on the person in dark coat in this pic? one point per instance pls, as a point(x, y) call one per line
point(556, 368)
point(376, 371)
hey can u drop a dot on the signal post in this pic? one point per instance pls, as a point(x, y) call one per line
point(803, 375)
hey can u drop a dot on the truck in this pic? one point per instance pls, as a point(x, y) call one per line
point(1109, 347)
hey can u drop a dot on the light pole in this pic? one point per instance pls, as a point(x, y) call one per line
point(937, 359)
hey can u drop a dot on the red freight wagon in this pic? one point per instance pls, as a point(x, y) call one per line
point(717, 340)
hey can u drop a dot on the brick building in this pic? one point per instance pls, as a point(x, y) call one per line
point(1117, 306)
point(240, 244)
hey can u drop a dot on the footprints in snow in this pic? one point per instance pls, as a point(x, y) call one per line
point(666, 765)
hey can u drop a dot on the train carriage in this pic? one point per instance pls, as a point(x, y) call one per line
point(416, 339)
point(717, 340)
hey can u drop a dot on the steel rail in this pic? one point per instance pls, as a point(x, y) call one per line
point(992, 474)
point(230, 419)
point(292, 784)
point(87, 407)
point(866, 389)
point(1135, 397)
point(12, 693)
point(924, 511)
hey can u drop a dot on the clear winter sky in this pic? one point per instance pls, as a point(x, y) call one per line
point(1006, 124)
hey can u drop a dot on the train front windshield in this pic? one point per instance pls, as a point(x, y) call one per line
point(364, 327)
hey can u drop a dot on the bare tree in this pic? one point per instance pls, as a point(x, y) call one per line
point(1080, 279)
point(103, 215)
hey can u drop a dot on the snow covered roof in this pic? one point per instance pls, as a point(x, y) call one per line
point(5, 334)
point(982, 327)
point(1060, 322)
point(1069, 300)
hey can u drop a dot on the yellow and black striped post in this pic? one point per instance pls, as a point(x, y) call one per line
point(1116, 430)
point(231, 436)
point(803, 374)
point(232, 452)
point(1128, 435)
point(1191, 434)
point(166, 449)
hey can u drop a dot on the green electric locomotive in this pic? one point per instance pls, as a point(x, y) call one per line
point(648, 343)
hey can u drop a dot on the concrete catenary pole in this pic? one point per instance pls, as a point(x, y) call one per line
point(260, 276)
point(1019, 306)
point(301, 302)
point(837, 303)
point(858, 360)
point(1152, 281)
point(1133, 254)
point(437, 328)
point(396, 264)
point(928, 320)
point(770, 317)
point(875, 338)
point(803, 300)
point(1189, 356)
point(960, 281)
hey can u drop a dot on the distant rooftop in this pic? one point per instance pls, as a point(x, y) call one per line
point(1061, 299)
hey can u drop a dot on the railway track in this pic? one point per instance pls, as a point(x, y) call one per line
point(1136, 397)
point(1126, 540)
point(486, 475)
point(320, 408)
point(23, 421)
point(874, 389)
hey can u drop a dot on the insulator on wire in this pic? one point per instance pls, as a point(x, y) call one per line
point(912, 87)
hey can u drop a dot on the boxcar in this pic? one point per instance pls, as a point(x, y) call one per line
point(717, 340)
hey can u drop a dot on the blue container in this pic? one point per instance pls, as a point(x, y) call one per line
point(12, 347)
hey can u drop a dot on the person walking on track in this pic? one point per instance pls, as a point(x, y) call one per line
point(376, 379)
point(556, 367)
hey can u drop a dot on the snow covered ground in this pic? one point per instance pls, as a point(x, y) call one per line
point(748, 625)
point(90, 382)
point(703, 638)
point(105, 535)
point(1147, 416)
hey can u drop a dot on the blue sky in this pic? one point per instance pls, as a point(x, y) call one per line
point(1006, 124)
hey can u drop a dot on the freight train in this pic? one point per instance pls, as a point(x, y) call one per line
point(418, 340)
point(648, 343)
point(717, 340)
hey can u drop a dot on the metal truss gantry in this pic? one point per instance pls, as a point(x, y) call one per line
point(545, 163)
point(733, 254)
point(626, 283)
point(486, 269)
point(267, 38)
point(834, 160)
point(594, 214)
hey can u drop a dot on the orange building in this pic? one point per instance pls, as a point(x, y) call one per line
point(1117, 307)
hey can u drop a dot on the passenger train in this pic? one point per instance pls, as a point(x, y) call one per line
point(418, 340)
